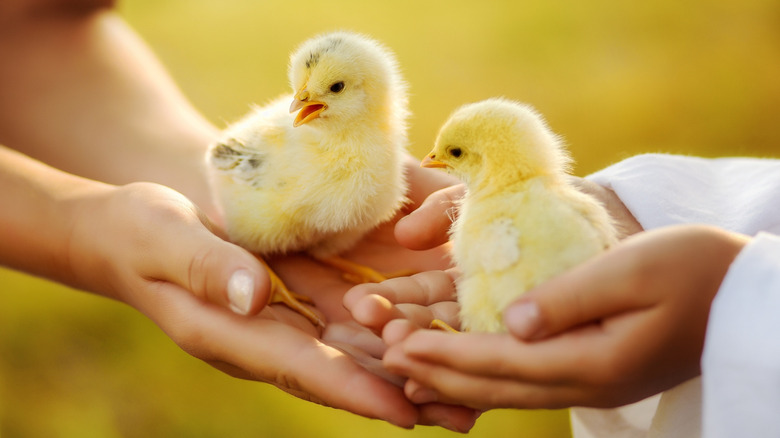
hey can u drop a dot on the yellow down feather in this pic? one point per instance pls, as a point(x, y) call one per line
point(521, 221)
point(319, 181)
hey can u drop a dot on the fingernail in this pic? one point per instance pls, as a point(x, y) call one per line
point(524, 320)
point(241, 290)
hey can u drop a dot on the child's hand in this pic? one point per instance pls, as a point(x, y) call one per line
point(625, 325)
point(431, 295)
point(420, 298)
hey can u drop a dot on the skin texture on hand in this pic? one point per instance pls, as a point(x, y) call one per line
point(623, 326)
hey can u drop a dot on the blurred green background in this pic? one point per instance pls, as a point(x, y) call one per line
point(614, 78)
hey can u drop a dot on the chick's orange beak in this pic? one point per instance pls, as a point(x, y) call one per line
point(308, 110)
point(431, 163)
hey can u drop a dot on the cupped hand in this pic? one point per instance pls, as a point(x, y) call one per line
point(427, 227)
point(150, 247)
point(625, 325)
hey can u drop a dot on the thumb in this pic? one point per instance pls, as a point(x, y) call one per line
point(428, 226)
point(213, 269)
point(601, 287)
point(229, 276)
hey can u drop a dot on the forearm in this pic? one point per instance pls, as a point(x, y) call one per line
point(83, 94)
point(36, 220)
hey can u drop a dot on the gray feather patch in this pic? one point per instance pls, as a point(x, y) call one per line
point(231, 156)
point(314, 57)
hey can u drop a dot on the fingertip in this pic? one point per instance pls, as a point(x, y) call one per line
point(355, 294)
point(241, 291)
point(428, 226)
point(248, 286)
point(394, 360)
point(224, 274)
point(455, 418)
point(397, 331)
point(419, 343)
point(524, 320)
point(418, 393)
point(411, 232)
point(374, 311)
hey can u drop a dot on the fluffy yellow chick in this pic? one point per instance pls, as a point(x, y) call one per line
point(316, 170)
point(521, 221)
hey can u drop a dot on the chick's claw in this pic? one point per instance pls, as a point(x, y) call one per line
point(438, 324)
point(280, 293)
point(357, 273)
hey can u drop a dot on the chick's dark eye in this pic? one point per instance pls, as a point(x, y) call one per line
point(337, 87)
point(455, 152)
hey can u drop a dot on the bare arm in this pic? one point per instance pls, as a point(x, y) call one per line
point(83, 94)
point(80, 92)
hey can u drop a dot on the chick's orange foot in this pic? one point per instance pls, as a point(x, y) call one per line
point(438, 324)
point(280, 293)
point(357, 273)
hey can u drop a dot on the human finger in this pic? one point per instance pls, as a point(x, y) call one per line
point(567, 357)
point(422, 182)
point(374, 312)
point(433, 382)
point(602, 286)
point(398, 330)
point(211, 268)
point(428, 226)
point(456, 418)
point(424, 288)
point(453, 417)
point(352, 333)
point(161, 235)
point(279, 354)
point(420, 298)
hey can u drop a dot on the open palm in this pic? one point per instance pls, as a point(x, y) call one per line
point(339, 367)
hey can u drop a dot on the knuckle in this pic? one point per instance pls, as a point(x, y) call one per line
point(198, 271)
point(157, 204)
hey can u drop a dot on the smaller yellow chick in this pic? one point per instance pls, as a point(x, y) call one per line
point(521, 221)
point(315, 170)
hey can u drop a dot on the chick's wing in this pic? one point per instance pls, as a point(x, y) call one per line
point(231, 157)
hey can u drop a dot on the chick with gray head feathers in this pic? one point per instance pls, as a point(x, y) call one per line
point(316, 170)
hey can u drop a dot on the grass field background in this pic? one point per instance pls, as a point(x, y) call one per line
point(614, 78)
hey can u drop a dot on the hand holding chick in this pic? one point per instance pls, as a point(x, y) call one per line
point(521, 221)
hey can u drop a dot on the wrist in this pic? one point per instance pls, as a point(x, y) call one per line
point(38, 230)
point(87, 261)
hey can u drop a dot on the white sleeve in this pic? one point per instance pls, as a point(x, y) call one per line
point(741, 360)
point(737, 194)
